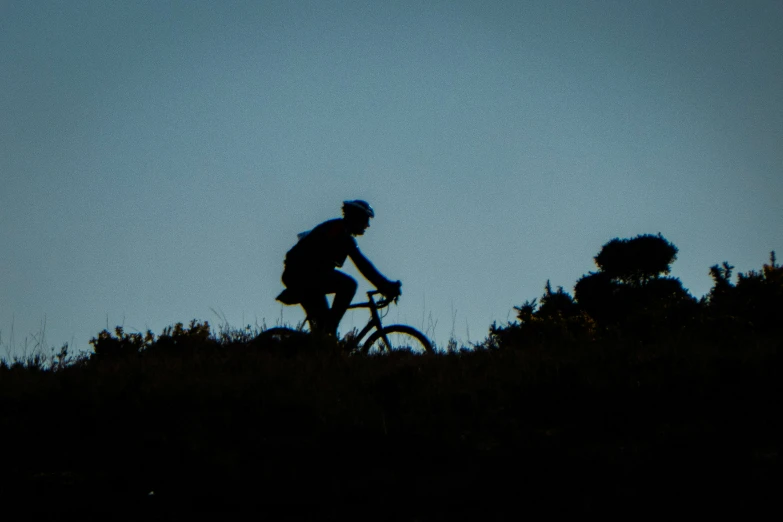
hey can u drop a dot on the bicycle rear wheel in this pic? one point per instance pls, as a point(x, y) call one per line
point(400, 337)
point(279, 336)
point(280, 333)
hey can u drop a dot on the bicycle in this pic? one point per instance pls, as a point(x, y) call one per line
point(384, 339)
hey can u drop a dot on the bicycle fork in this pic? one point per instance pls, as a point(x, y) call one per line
point(376, 322)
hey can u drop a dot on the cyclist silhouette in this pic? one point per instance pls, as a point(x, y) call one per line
point(311, 267)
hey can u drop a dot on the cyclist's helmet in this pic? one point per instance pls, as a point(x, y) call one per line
point(359, 206)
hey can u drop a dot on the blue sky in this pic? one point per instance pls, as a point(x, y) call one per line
point(157, 159)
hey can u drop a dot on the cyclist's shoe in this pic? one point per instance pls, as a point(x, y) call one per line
point(323, 328)
point(322, 340)
point(344, 347)
point(348, 342)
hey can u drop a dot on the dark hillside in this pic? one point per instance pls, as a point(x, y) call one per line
point(557, 412)
point(597, 429)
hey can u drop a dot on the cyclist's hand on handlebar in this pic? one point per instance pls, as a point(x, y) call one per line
point(392, 289)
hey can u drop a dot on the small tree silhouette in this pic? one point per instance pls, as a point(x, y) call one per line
point(554, 304)
point(628, 292)
point(597, 294)
point(638, 260)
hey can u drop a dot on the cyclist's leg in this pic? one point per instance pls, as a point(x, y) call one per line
point(317, 309)
point(312, 287)
point(305, 284)
point(344, 288)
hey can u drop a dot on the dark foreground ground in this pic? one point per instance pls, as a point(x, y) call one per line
point(236, 433)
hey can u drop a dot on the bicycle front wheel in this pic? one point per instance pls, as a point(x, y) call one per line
point(397, 337)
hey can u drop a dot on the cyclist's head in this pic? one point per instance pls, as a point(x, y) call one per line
point(357, 214)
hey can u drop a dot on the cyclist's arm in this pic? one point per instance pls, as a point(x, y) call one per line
point(369, 271)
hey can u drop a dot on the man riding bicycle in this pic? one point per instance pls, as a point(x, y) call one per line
point(311, 267)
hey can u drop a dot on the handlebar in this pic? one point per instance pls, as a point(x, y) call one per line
point(383, 303)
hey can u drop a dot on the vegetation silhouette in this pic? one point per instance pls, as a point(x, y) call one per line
point(630, 396)
point(630, 300)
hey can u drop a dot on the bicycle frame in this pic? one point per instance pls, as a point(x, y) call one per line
point(381, 335)
point(375, 317)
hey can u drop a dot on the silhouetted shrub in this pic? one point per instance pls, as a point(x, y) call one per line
point(637, 260)
point(630, 295)
point(596, 294)
point(558, 319)
point(628, 298)
point(123, 345)
point(554, 304)
point(172, 339)
point(179, 339)
point(755, 302)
